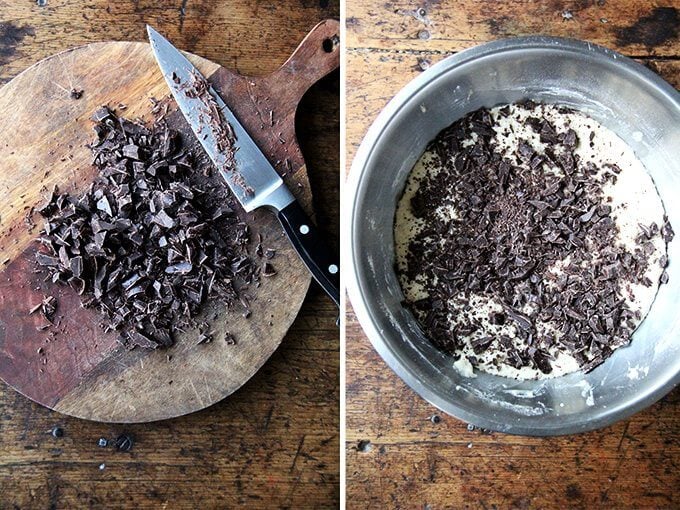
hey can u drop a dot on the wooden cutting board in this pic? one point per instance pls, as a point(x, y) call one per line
point(80, 370)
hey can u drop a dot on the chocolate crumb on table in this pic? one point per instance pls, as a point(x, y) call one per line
point(151, 239)
point(47, 308)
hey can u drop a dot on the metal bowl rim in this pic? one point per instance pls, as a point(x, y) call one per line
point(354, 184)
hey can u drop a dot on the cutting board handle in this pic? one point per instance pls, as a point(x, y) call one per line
point(317, 55)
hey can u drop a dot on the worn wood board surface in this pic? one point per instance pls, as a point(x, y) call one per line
point(274, 442)
point(83, 371)
point(401, 451)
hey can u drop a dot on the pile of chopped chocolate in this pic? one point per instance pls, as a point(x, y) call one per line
point(152, 238)
point(541, 243)
point(47, 308)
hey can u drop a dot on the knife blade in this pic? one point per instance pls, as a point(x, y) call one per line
point(246, 170)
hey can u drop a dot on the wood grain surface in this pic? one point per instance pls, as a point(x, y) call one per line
point(274, 442)
point(403, 452)
point(75, 367)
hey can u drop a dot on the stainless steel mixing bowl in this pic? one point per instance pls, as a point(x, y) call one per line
point(622, 95)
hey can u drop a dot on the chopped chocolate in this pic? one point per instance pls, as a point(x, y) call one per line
point(154, 236)
point(531, 232)
point(47, 307)
point(46, 260)
point(101, 115)
point(163, 219)
point(542, 361)
point(481, 344)
point(76, 266)
point(139, 339)
point(570, 140)
point(181, 268)
point(667, 231)
point(268, 270)
point(204, 338)
point(124, 443)
point(521, 320)
point(131, 151)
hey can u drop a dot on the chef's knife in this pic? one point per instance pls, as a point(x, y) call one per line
point(247, 172)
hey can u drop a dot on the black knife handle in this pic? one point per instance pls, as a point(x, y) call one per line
point(312, 248)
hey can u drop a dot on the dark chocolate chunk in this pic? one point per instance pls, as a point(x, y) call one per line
point(204, 338)
point(131, 151)
point(479, 345)
point(520, 319)
point(47, 307)
point(181, 268)
point(76, 266)
point(139, 339)
point(268, 270)
point(46, 260)
point(525, 150)
point(542, 361)
point(667, 231)
point(101, 115)
point(124, 443)
point(570, 139)
point(163, 220)
point(548, 133)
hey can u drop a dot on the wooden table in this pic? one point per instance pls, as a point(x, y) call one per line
point(414, 459)
point(275, 443)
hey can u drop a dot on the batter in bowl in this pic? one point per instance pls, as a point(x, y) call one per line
point(530, 241)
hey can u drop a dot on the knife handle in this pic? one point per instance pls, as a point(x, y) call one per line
point(312, 248)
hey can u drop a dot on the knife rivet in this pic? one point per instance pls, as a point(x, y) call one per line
point(333, 269)
point(304, 229)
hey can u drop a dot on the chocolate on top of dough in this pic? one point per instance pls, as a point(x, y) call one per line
point(517, 256)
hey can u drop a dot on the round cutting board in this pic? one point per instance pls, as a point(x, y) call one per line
point(74, 367)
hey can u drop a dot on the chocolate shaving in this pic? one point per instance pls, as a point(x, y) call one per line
point(47, 307)
point(220, 129)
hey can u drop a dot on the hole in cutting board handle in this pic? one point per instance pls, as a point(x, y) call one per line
point(330, 43)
